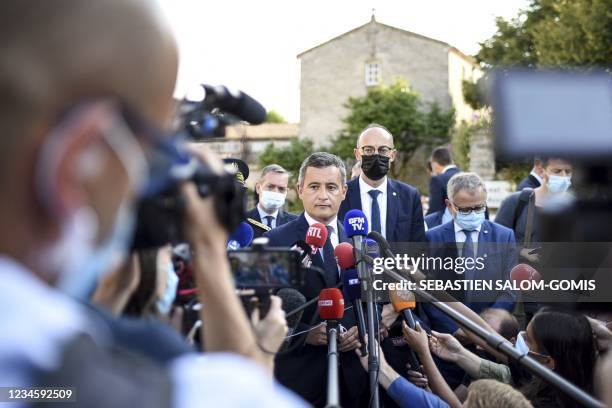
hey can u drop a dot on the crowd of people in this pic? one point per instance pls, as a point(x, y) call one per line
point(83, 112)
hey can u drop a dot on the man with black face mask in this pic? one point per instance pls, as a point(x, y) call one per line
point(393, 208)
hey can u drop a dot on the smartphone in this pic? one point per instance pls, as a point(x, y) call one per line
point(265, 268)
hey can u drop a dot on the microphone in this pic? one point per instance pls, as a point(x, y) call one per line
point(524, 272)
point(241, 237)
point(235, 102)
point(316, 236)
point(404, 302)
point(304, 250)
point(292, 299)
point(331, 309)
point(352, 289)
point(356, 227)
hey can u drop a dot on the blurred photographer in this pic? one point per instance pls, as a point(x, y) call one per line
point(78, 106)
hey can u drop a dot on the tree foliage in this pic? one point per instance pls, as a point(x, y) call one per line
point(399, 109)
point(274, 117)
point(290, 157)
point(553, 33)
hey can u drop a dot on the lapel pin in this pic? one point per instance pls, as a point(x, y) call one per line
point(394, 193)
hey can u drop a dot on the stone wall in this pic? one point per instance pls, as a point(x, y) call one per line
point(482, 156)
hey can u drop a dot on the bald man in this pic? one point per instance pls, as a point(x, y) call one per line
point(85, 87)
point(393, 208)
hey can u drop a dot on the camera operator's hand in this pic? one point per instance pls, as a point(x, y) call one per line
point(525, 254)
point(270, 331)
point(349, 340)
point(317, 336)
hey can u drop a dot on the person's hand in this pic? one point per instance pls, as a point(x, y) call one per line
point(531, 258)
point(417, 378)
point(349, 340)
point(202, 227)
point(416, 339)
point(462, 337)
point(317, 336)
point(270, 331)
point(602, 333)
point(445, 346)
point(388, 316)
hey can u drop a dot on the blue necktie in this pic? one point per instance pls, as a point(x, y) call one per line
point(468, 245)
point(375, 221)
point(329, 259)
point(269, 220)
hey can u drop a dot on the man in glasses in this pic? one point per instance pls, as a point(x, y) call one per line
point(393, 208)
point(470, 236)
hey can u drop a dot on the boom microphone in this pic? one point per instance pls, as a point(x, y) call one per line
point(235, 102)
point(331, 304)
point(352, 291)
point(356, 226)
point(331, 309)
point(241, 237)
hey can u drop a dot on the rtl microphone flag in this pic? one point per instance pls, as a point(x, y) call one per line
point(344, 254)
point(241, 237)
point(355, 223)
point(316, 236)
point(331, 304)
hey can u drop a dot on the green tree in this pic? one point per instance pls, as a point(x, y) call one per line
point(553, 32)
point(291, 158)
point(399, 109)
point(274, 117)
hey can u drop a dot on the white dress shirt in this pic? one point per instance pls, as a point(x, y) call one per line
point(366, 203)
point(460, 238)
point(263, 214)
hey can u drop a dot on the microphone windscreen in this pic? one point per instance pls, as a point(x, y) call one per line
point(372, 248)
point(316, 235)
point(331, 304)
point(355, 223)
point(402, 300)
point(242, 235)
point(235, 102)
point(350, 284)
point(344, 254)
point(523, 272)
point(292, 299)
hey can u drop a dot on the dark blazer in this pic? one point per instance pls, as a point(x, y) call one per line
point(305, 369)
point(282, 218)
point(498, 244)
point(434, 219)
point(437, 189)
point(404, 212)
point(528, 182)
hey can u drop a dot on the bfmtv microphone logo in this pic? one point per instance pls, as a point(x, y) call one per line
point(357, 223)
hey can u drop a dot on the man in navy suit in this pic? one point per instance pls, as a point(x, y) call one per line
point(534, 179)
point(470, 235)
point(393, 208)
point(271, 191)
point(443, 168)
point(321, 187)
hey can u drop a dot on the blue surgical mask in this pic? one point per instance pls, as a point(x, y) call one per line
point(521, 345)
point(164, 304)
point(558, 184)
point(470, 221)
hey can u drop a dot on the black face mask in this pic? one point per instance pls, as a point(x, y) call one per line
point(375, 166)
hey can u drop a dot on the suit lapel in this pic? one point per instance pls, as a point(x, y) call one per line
point(392, 210)
point(254, 214)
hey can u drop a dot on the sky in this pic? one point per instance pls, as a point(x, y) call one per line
point(252, 45)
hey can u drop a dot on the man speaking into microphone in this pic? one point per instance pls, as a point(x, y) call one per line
point(321, 187)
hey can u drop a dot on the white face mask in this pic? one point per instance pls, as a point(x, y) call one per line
point(271, 200)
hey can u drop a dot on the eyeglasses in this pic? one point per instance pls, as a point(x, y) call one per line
point(467, 210)
point(382, 150)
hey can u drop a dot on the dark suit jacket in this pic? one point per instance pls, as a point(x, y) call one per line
point(283, 218)
point(305, 370)
point(437, 189)
point(498, 244)
point(528, 182)
point(404, 212)
point(434, 219)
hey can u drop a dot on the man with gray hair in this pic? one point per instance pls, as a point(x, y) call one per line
point(321, 187)
point(490, 247)
point(271, 190)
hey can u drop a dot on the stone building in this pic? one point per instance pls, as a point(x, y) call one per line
point(375, 54)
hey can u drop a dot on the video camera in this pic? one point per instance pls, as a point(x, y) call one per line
point(161, 211)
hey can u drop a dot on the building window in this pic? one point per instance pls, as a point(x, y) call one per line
point(372, 73)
